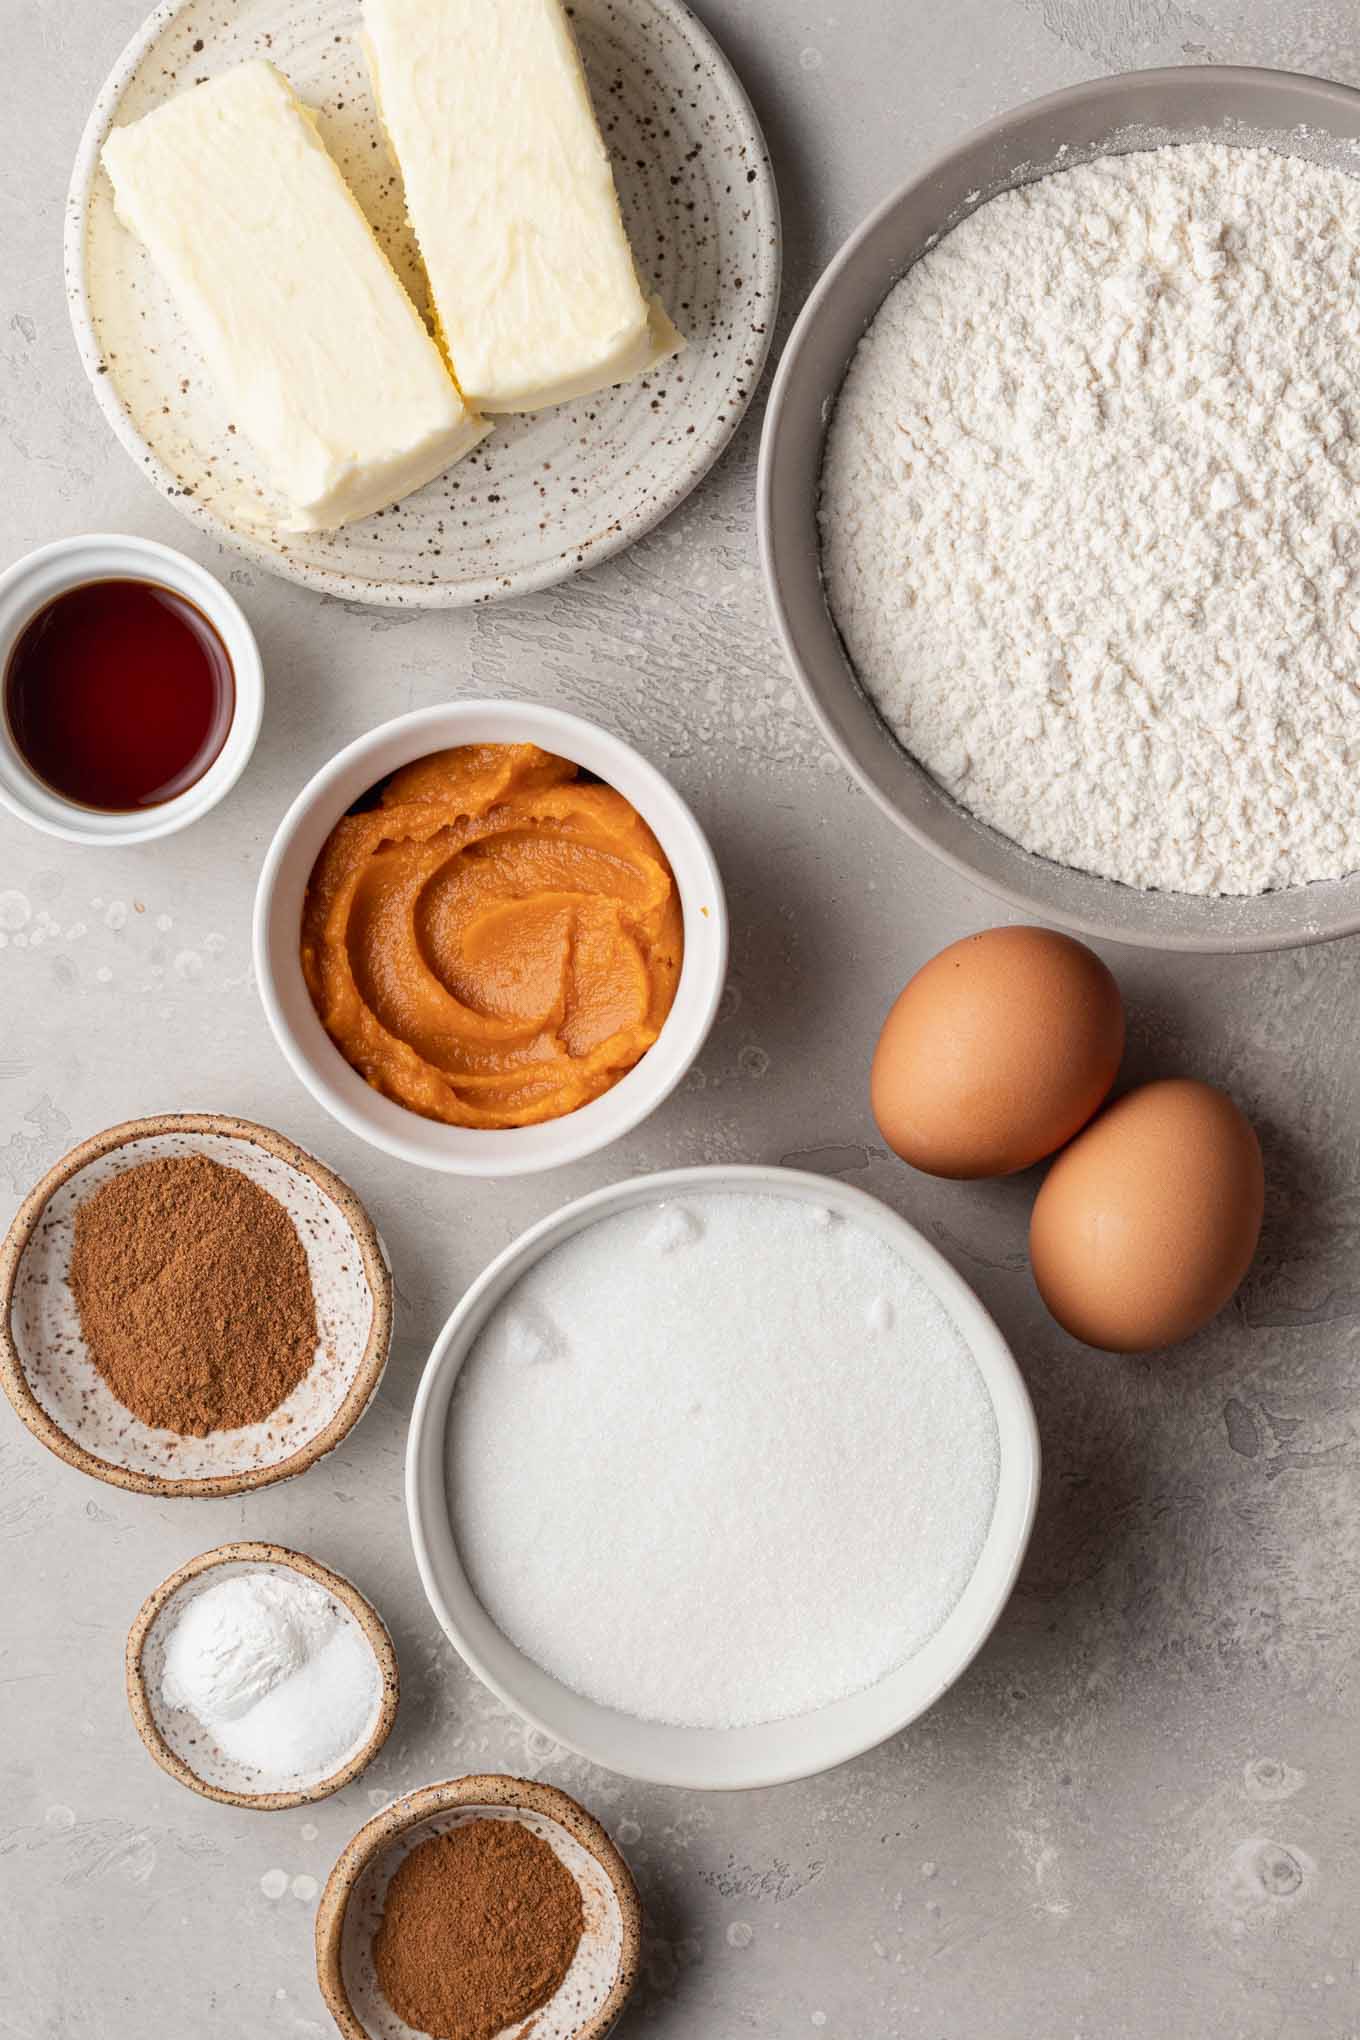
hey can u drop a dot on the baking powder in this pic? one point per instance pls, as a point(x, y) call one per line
point(1089, 517)
point(280, 1675)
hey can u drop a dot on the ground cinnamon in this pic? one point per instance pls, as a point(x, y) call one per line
point(194, 1296)
point(479, 1928)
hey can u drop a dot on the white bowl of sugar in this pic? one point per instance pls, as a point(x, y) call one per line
point(721, 1476)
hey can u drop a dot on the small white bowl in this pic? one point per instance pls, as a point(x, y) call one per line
point(477, 1151)
point(29, 585)
point(768, 1753)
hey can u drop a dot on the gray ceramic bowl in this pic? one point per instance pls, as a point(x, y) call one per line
point(1299, 116)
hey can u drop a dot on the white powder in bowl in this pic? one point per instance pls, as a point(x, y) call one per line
point(749, 1471)
point(280, 1675)
point(1089, 517)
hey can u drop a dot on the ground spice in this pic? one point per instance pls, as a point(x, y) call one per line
point(479, 1928)
point(194, 1296)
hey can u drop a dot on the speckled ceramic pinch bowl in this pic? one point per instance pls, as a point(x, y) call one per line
point(50, 1379)
point(466, 1150)
point(179, 1742)
point(596, 1987)
point(1299, 116)
point(547, 494)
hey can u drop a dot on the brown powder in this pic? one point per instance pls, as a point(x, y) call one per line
point(479, 1928)
point(194, 1296)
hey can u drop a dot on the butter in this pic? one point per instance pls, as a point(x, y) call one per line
point(303, 325)
point(511, 196)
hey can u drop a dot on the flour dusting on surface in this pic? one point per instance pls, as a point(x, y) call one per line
point(1089, 517)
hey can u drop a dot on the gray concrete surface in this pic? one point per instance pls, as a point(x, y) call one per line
point(1138, 1814)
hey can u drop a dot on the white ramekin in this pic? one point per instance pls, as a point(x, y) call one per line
point(770, 1753)
point(29, 585)
point(468, 1151)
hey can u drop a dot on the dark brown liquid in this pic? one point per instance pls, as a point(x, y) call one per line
point(119, 694)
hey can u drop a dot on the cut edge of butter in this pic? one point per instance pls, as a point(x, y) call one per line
point(658, 339)
point(361, 489)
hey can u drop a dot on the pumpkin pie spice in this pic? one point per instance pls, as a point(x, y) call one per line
point(479, 1928)
point(194, 1296)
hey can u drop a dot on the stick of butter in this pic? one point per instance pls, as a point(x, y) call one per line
point(511, 195)
point(300, 318)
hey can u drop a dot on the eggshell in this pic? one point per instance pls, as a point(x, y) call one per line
point(998, 1051)
point(1145, 1225)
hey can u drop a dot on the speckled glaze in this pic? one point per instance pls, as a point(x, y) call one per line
point(50, 1379)
point(600, 1980)
point(545, 495)
point(1135, 1817)
point(177, 1740)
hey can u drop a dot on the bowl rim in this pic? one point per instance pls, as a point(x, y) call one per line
point(367, 1375)
point(49, 571)
point(343, 1590)
point(383, 1123)
point(476, 1789)
point(772, 1753)
point(1180, 79)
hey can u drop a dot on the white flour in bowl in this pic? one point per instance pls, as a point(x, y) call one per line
point(1090, 521)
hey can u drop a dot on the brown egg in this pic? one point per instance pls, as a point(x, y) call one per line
point(1145, 1226)
point(998, 1051)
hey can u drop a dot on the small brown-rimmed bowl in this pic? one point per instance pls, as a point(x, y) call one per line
point(46, 1370)
point(604, 1969)
point(178, 1740)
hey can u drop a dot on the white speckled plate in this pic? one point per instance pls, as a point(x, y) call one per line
point(545, 495)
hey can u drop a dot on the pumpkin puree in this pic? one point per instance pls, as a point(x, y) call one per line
point(494, 943)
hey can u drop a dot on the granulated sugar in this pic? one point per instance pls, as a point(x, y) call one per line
point(1088, 517)
point(721, 1461)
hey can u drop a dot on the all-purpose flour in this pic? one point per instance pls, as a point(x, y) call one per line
point(720, 1462)
point(1090, 521)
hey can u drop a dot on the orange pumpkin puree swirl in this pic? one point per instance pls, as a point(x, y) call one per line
point(495, 943)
